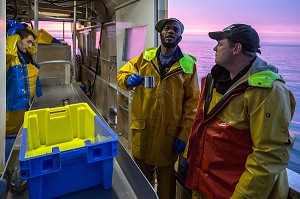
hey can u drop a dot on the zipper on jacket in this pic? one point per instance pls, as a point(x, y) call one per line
point(168, 74)
point(25, 75)
point(156, 68)
point(224, 101)
point(25, 80)
point(208, 89)
point(173, 72)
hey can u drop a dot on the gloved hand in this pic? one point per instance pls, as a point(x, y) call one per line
point(178, 145)
point(12, 23)
point(185, 165)
point(135, 80)
point(13, 26)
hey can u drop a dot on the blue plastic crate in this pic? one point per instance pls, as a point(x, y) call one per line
point(59, 173)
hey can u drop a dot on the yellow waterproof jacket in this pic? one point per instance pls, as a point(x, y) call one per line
point(162, 113)
point(240, 149)
point(21, 84)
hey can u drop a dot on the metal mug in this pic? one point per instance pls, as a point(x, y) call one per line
point(149, 81)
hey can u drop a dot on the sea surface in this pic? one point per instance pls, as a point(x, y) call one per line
point(285, 57)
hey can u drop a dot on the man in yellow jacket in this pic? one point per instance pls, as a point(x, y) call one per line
point(22, 82)
point(161, 116)
point(240, 143)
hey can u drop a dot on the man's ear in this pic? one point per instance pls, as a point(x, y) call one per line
point(237, 48)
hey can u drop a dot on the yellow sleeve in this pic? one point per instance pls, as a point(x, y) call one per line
point(270, 111)
point(11, 50)
point(191, 96)
point(131, 67)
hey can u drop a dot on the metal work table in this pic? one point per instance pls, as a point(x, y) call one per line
point(128, 181)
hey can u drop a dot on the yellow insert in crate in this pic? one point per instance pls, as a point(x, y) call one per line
point(65, 127)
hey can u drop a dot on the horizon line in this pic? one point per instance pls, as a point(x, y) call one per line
point(265, 38)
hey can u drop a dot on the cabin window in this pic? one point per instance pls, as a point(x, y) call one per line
point(97, 41)
point(134, 42)
point(60, 30)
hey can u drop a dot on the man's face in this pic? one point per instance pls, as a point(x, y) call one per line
point(25, 44)
point(171, 34)
point(224, 53)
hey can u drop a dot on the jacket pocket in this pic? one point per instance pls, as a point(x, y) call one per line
point(138, 124)
point(173, 130)
point(138, 137)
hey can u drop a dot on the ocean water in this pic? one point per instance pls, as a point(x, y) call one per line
point(285, 57)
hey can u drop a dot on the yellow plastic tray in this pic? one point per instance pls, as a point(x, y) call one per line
point(65, 127)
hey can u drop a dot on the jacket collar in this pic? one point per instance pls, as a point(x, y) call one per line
point(177, 54)
point(257, 69)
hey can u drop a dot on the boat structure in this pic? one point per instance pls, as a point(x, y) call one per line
point(104, 35)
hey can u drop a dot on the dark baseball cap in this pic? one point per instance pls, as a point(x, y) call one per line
point(239, 33)
point(160, 25)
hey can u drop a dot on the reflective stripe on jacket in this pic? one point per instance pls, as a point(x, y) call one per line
point(240, 149)
point(162, 113)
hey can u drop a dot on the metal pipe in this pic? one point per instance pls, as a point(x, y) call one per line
point(86, 11)
point(3, 83)
point(161, 13)
point(73, 70)
point(73, 80)
point(48, 18)
point(123, 108)
point(30, 9)
point(155, 21)
point(36, 23)
point(63, 30)
point(125, 4)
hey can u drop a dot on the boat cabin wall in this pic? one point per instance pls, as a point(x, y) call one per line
point(131, 33)
point(98, 69)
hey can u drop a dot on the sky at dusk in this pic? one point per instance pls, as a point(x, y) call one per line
point(276, 21)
